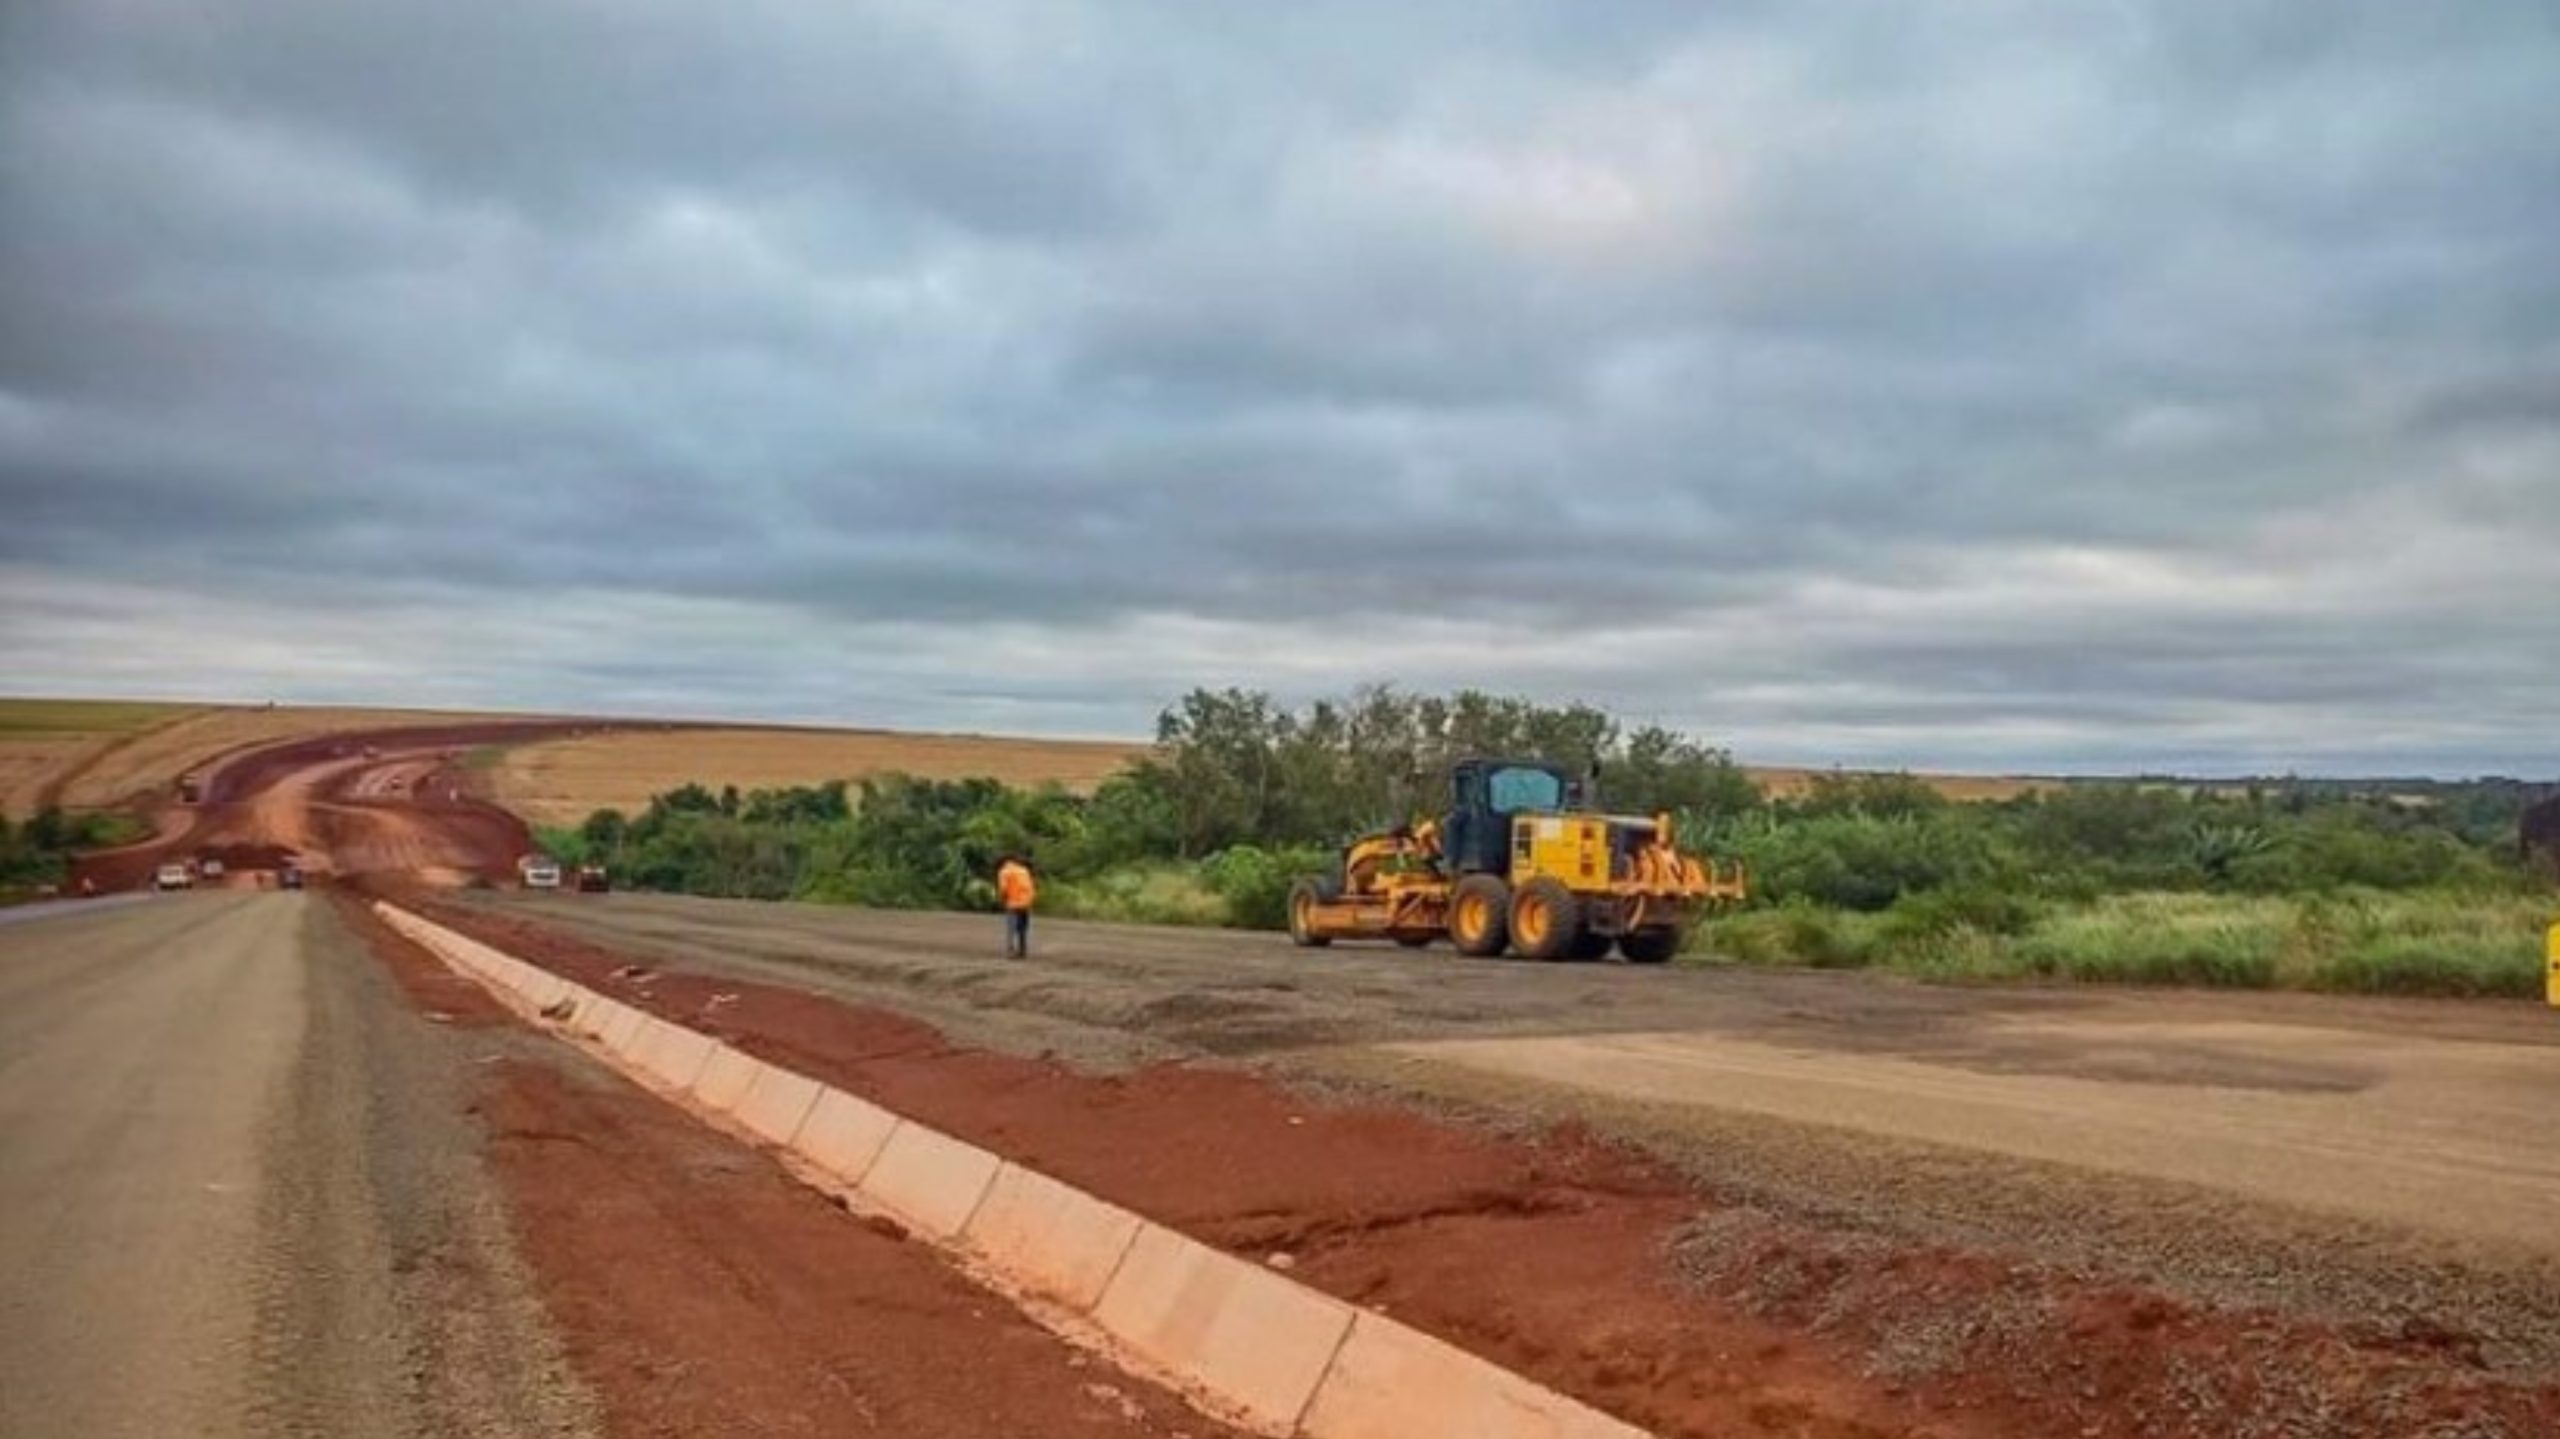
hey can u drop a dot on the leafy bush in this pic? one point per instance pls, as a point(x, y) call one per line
point(38, 853)
point(1867, 862)
point(2362, 846)
point(1983, 908)
point(1255, 882)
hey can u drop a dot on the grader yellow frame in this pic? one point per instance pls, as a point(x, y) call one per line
point(1513, 865)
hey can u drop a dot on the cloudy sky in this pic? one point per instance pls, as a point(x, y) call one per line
point(1995, 384)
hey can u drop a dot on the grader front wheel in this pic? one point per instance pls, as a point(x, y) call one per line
point(1304, 896)
point(1480, 915)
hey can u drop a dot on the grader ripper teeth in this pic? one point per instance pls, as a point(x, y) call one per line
point(1517, 864)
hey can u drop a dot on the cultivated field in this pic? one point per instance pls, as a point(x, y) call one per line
point(101, 754)
point(41, 741)
point(559, 782)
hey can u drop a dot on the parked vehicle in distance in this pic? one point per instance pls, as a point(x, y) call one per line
point(172, 876)
point(592, 879)
point(541, 873)
point(210, 869)
point(289, 877)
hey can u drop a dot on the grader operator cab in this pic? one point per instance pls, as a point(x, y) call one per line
point(1515, 863)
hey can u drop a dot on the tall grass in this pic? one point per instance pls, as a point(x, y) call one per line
point(1138, 894)
point(2408, 942)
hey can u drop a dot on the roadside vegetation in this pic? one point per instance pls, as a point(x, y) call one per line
point(2399, 887)
point(35, 857)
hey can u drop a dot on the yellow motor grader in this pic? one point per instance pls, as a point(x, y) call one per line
point(1516, 864)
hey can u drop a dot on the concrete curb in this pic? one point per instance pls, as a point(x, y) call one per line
point(842, 1136)
point(726, 1079)
point(1250, 1344)
point(929, 1179)
point(1062, 1244)
point(777, 1104)
point(1258, 1341)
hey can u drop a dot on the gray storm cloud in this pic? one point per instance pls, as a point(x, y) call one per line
point(2003, 385)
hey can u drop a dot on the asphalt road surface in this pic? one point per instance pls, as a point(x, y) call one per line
point(240, 1194)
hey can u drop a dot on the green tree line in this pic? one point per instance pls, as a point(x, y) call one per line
point(1240, 793)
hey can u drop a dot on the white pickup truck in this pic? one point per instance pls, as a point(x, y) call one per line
point(540, 873)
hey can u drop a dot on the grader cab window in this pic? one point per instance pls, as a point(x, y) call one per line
point(1512, 789)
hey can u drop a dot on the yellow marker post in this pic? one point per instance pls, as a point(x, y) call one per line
point(2551, 953)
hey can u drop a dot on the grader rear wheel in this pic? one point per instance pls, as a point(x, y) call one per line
point(1480, 915)
point(1546, 919)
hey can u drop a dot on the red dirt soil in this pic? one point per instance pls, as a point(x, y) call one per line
point(1555, 1256)
point(702, 1291)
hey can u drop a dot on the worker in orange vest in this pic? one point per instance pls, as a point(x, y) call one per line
point(1016, 888)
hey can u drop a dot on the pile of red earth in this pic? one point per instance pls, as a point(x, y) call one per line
point(248, 856)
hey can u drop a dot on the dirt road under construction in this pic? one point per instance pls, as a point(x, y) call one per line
point(1710, 1203)
point(1969, 1200)
point(365, 802)
point(2434, 1117)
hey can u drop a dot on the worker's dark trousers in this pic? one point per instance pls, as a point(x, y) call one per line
point(1017, 933)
